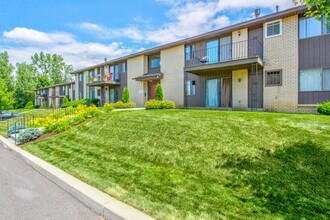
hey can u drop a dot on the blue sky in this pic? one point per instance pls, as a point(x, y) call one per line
point(85, 32)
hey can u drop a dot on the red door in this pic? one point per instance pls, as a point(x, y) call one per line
point(153, 90)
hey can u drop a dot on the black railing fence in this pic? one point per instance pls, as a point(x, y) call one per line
point(226, 52)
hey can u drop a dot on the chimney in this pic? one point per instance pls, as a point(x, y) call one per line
point(105, 59)
point(257, 12)
point(277, 8)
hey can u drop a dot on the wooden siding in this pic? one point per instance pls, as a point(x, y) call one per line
point(314, 52)
point(199, 99)
point(313, 97)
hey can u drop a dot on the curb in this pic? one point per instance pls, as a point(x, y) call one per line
point(99, 202)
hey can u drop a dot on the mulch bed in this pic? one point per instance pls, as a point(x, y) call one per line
point(43, 136)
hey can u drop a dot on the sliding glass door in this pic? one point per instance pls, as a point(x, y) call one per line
point(212, 93)
point(218, 92)
point(212, 51)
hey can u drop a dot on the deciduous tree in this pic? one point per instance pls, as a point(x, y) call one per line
point(6, 71)
point(316, 8)
point(51, 69)
point(25, 84)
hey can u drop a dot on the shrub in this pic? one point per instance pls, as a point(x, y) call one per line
point(75, 103)
point(36, 106)
point(65, 101)
point(51, 105)
point(159, 93)
point(92, 111)
point(92, 101)
point(120, 104)
point(43, 104)
point(125, 96)
point(15, 129)
point(108, 107)
point(28, 135)
point(168, 104)
point(29, 105)
point(155, 104)
point(324, 108)
point(59, 125)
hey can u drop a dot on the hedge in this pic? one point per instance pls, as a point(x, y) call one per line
point(155, 104)
point(324, 108)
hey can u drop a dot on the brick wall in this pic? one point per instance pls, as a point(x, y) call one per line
point(172, 64)
point(281, 52)
point(136, 67)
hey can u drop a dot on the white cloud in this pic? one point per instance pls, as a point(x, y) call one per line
point(187, 18)
point(77, 53)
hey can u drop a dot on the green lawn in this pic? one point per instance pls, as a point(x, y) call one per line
point(193, 164)
point(35, 112)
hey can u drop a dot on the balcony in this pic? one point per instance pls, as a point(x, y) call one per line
point(62, 93)
point(232, 56)
point(104, 80)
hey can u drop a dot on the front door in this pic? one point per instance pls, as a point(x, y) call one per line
point(255, 90)
point(152, 89)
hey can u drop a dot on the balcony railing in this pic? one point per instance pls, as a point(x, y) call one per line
point(101, 78)
point(225, 53)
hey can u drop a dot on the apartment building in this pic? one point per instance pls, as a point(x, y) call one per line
point(53, 95)
point(278, 62)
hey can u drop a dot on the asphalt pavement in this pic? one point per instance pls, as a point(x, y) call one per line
point(27, 195)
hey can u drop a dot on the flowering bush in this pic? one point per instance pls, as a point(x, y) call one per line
point(58, 122)
point(108, 107)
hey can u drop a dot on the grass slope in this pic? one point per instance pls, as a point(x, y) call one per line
point(194, 164)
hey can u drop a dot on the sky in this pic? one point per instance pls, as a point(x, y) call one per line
point(84, 32)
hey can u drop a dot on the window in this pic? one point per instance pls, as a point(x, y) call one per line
point(81, 77)
point(274, 78)
point(273, 28)
point(81, 95)
point(154, 61)
point(98, 92)
point(114, 72)
point(311, 27)
point(189, 52)
point(314, 80)
point(92, 93)
point(190, 87)
point(124, 67)
point(92, 73)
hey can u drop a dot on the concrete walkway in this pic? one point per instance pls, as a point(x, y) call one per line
point(26, 194)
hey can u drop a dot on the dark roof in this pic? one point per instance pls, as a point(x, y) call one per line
point(249, 23)
point(60, 84)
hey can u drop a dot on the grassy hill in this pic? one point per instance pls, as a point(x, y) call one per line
point(194, 164)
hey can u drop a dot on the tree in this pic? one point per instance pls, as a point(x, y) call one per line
point(317, 8)
point(51, 69)
point(25, 84)
point(6, 97)
point(6, 70)
point(125, 96)
point(159, 93)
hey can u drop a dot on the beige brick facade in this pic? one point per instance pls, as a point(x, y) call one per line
point(136, 66)
point(281, 53)
point(240, 89)
point(172, 64)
